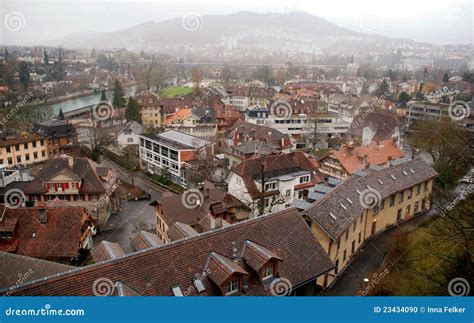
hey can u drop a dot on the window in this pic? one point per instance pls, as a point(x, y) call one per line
point(347, 235)
point(233, 286)
point(344, 255)
point(267, 271)
point(35, 155)
point(417, 205)
point(27, 157)
point(42, 142)
point(425, 187)
point(8, 149)
point(130, 139)
point(400, 197)
point(270, 186)
point(360, 237)
point(304, 179)
point(43, 153)
point(34, 144)
point(25, 145)
point(418, 189)
point(17, 147)
point(288, 193)
point(355, 225)
point(382, 204)
point(338, 243)
point(10, 161)
point(399, 215)
point(392, 200)
point(93, 197)
point(18, 159)
point(410, 192)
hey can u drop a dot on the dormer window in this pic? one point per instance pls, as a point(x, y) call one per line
point(267, 271)
point(304, 179)
point(233, 287)
point(270, 186)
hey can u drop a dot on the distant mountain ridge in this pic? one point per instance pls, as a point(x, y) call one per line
point(266, 29)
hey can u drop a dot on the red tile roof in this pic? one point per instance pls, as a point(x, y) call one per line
point(59, 237)
point(155, 271)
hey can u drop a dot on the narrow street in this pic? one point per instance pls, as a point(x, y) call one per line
point(135, 216)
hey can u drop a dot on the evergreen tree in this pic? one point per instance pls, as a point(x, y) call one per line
point(103, 97)
point(61, 114)
point(7, 54)
point(46, 57)
point(404, 79)
point(24, 73)
point(384, 88)
point(425, 73)
point(446, 78)
point(118, 100)
point(132, 112)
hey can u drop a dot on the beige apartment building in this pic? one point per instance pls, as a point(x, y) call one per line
point(150, 109)
point(349, 215)
point(22, 149)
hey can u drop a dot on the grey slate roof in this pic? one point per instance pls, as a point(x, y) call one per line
point(416, 170)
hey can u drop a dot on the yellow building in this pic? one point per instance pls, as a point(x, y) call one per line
point(364, 206)
point(22, 149)
point(150, 109)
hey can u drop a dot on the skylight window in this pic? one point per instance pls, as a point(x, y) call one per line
point(332, 216)
point(393, 177)
point(412, 171)
point(405, 173)
point(343, 206)
point(358, 191)
point(380, 181)
point(199, 285)
point(349, 200)
point(176, 290)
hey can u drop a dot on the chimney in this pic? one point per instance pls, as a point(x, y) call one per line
point(70, 161)
point(43, 216)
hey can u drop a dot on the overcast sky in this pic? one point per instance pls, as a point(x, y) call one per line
point(442, 21)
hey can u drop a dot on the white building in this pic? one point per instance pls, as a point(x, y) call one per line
point(171, 150)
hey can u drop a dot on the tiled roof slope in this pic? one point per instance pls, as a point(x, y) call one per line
point(82, 168)
point(15, 268)
point(155, 271)
point(406, 175)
